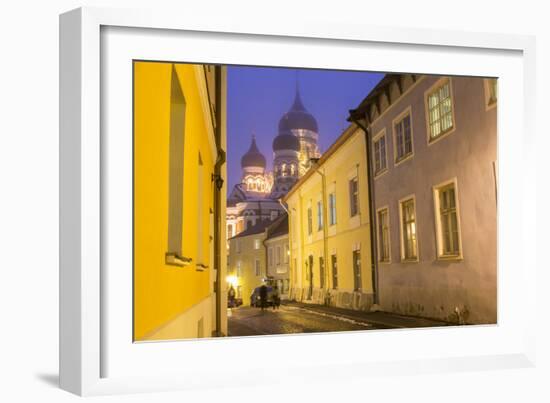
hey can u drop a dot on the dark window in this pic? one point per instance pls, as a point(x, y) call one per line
point(354, 196)
point(334, 271)
point(357, 270)
point(322, 272)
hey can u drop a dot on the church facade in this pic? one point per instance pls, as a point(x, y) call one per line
point(256, 197)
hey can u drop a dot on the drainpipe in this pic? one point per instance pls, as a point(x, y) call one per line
point(372, 212)
point(218, 219)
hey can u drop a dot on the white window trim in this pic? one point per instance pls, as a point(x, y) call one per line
point(398, 118)
point(439, 242)
point(427, 93)
point(401, 234)
point(386, 207)
point(380, 134)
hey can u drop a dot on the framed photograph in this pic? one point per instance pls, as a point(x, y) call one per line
point(329, 193)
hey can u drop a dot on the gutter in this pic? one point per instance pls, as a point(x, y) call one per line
point(356, 118)
point(217, 201)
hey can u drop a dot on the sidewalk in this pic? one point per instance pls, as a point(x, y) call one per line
point(379, 319)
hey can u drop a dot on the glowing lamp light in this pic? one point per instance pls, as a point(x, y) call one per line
point(232, 280)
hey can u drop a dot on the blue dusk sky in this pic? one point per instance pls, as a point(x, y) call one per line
point(257, 97)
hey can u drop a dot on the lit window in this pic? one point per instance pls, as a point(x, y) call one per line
point(332, 208)
point(354, 197)
point(440, 110)
point(380, 154)
point(408, 230)
point(286, 254)
point(319, 216)
point(447, 221)
point(403, 138)
point(384, 235)
point(257, 244)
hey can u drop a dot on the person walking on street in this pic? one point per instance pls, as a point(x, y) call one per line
point(231, 297)
point(276, 297)
point(263, 296)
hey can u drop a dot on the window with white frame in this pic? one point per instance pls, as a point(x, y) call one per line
point(354, 196)
point(332, 208)
point(319, 215)
point(383, 235)
point(409, 246)
point(403, 138)
point(380, 163)
point(447, 221)
point(440, 110)
point(257, 243)
point(356, 259)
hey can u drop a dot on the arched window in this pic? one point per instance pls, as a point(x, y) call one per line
point(283, 170)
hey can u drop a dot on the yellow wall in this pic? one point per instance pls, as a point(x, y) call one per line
point(161, 291)
point(348, 159)
point(247, 255)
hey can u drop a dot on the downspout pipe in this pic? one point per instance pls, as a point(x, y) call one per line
point(218, 219)
point(372, 211)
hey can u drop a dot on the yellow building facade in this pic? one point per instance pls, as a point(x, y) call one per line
point(329, 228)
point(247, 261)
point(178, 149)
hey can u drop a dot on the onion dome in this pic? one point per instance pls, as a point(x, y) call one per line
point(298, 117)
point(286, 141)
point(253, 157)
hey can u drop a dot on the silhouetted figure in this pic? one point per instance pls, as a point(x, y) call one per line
point(231, 297)
point(276, 297)
point(263, 296)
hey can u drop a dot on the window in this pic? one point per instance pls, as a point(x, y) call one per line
point(286, 253)
point(403, 138)
point(357, 270)
point(278, 255)
point(257, 268)
point(334, 264)
point(383, 236)
point(257, 243)
point(447, 222)
point(322, 272)
point(319, 216)
point(274, 214)
point(380, 154)
point(270, 257)
point(309, 221)
point(332, 208)
point(354, 197)
point(408, 230)
point(440, 110)
point(174, 254)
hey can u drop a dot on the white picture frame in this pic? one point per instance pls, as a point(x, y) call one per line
point(82, 340)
